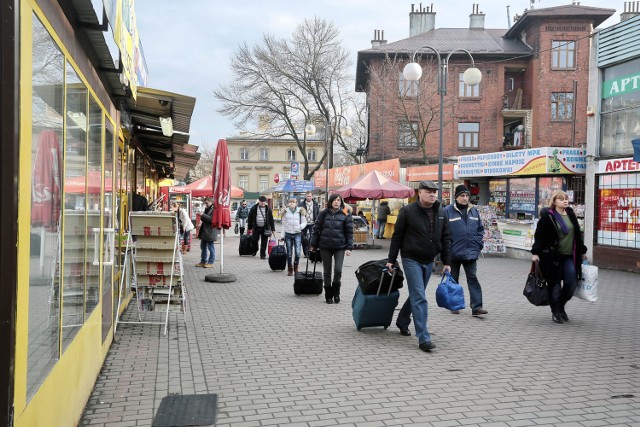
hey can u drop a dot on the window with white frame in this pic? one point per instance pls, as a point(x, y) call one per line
point(263, 182)
point(407, 135)
point(563, 54)
point(291, 154)
point(465, 90)
point(264, 154)
point(561, 105)
point(244, 154)
point(243, 181)
point(311, 155)
point(407, 88)
point(468, 135)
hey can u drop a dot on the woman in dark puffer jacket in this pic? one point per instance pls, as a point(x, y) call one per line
point(333, 235)
point(559, 247)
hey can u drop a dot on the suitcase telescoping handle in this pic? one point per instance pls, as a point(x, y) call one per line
point(306, 270)
point(393, 276)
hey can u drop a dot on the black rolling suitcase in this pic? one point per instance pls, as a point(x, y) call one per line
point(278, 258)
point(308, 282)
point(246, 246)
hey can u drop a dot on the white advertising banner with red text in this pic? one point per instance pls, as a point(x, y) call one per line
point(343, 175)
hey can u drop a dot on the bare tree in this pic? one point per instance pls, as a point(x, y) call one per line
point(204, 166)
point(288, 84)
point(410, 108)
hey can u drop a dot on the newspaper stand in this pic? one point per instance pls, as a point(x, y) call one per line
point(155, 267)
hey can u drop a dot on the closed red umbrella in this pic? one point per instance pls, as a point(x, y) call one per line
point(45, 181)
point(221, 187)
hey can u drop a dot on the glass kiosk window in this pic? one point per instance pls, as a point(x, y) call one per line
point(522, 198)
point(498, 196)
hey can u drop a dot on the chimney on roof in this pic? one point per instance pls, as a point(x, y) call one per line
point(421, 20)
point(378, 39)
point(631, 9)
point(476, 19)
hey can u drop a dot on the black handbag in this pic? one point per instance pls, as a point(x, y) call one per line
point(236, 229)
point(536, 289)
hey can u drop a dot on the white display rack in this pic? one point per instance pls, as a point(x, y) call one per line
point(155, 268)
point(493, 240)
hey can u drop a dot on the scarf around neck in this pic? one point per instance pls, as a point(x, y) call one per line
point(560, 221)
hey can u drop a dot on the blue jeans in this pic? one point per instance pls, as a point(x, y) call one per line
point(204, 248)
point(417, 276)
point(470, 269)
point(560, 294)
point(381, 225)
point(290, 240)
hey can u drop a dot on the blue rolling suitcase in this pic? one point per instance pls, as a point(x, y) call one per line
point(376, 309)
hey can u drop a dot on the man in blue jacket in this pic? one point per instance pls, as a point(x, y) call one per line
point(467, 232)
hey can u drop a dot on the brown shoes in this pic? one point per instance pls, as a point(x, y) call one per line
point(478, 312)
point(455, 311)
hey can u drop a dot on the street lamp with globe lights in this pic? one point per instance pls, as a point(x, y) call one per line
point(346, 131)
point(471, 77)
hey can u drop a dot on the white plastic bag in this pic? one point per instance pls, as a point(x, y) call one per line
point(587, 288)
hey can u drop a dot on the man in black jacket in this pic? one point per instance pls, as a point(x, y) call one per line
point(261, 219)
point(313, 210)
point(421, 232)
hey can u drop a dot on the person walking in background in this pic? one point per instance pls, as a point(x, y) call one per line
point(312, 209)
point(333, 235)
point(261, 219)
point(383, 212)
point(207, 236)
point(294, 220)
point(467, 233)
point(241, 216)
point(421, 232)
point(559, 247)
point(185, 225)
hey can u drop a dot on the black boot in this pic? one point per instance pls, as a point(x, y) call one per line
point(336, 292)
point(328, 294)
point(241, 231)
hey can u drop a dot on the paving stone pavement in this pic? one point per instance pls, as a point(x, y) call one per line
point(275, 358)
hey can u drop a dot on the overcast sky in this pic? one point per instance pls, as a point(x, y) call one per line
point(188, 44)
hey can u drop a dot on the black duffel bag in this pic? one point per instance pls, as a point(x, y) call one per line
point(369, 275)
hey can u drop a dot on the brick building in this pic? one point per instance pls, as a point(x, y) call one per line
point(533, 91)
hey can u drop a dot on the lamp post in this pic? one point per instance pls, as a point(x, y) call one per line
point(472, 76)
point(310, 129)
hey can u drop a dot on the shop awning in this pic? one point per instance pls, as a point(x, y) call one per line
point(172, 155)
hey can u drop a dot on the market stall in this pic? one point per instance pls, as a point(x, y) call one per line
point(518, 183)
point(373, 186)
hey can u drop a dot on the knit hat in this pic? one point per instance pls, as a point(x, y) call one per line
point(461, 189)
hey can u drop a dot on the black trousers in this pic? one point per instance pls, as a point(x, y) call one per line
point(258, 234)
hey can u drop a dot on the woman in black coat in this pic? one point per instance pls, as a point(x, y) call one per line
point(333, 235)
point(559, 247)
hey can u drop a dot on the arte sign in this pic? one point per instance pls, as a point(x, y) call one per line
point(534, 161)
point(618, 165)
point(621, 85)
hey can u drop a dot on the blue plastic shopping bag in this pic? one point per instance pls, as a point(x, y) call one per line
point(449, 293)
